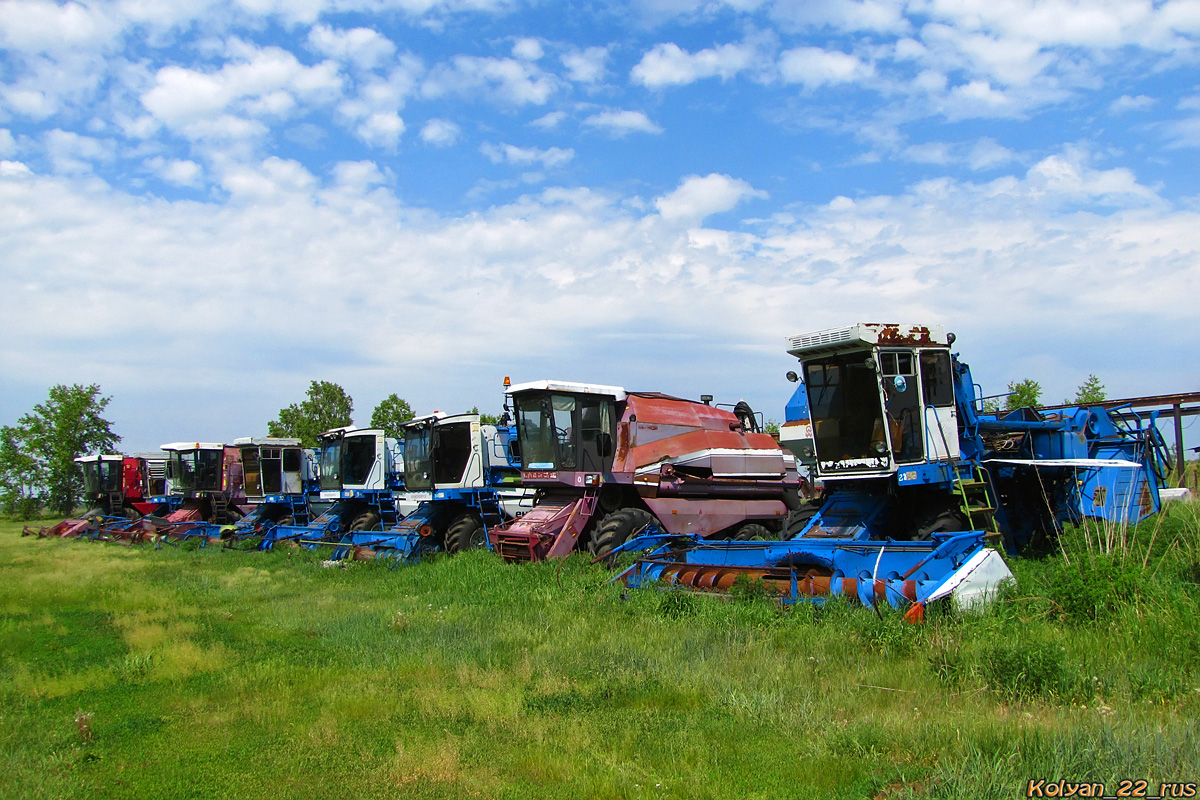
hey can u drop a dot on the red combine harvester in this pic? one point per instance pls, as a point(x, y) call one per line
point(607, 463)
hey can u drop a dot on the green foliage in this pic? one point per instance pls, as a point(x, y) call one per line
point(37, 455)
point(327, 407)
point(391, 413)
point(1091, 391)
point(1026, 393)
point(772, 428)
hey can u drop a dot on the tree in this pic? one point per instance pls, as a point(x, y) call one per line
point(37, 456)
point(1092, 391)
point(327, 407)
point(485, 419)
point(1024, 393)
point(390, 414)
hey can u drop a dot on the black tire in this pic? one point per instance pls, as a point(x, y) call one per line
point(948, 521)
point(752, 531)
point(799, 518)
point(287, 520)
point(465, 533)
point(616, 528)
point(366, 521)
point(94, 512)
point(131, 513)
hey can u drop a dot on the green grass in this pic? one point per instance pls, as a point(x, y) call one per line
point(210, 673)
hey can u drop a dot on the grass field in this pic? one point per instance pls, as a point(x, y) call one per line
point(135, 672)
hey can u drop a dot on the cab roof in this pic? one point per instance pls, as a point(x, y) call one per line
point(616, 392)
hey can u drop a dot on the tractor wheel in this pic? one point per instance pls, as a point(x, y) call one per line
point(799, 518)
point(616, 528)
point(465, 533)
point(94, 512)
point(131, 513)
point(948, 521)
point(366, 521)
point(286, 520)
point(753, 531)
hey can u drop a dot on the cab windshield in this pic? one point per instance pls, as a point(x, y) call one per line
point(544, 431)
point(418, 462)
point(197, 470)
point(847, 417)
point(94, 475)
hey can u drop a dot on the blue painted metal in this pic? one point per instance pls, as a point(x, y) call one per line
point(816, 570)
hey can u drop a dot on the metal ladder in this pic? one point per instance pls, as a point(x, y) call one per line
point(977, 504)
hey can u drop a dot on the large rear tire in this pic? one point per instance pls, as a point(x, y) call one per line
point(465, 533)
point(366, 521)
point(616, 528)
point(752, 531)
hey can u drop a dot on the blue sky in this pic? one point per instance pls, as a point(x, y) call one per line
point(206, 204)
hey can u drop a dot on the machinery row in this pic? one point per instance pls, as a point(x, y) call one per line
point(889, 481)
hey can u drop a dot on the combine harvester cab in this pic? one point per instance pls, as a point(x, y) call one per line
point(119, 490)
point(917, 480)
point(608, 464)
point(466, 480)
point(361, 485)
point(278, 476)
point(206, 483)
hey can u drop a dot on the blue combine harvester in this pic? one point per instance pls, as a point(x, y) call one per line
point(918, 479)
point(466, 479)
point(361, 480)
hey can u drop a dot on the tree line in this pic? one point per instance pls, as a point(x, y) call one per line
point(37, 455)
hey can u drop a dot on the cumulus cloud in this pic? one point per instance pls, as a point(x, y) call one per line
point(440, 133)
point(381, 130)
point(815, 67)
point(263, 82)
point(1125, 103)
point(505, 80)
point(698, 197)
point(620, 123)
point(526, 156)
point(528, 49)
point(180, 172)
point(587, 65)
point(670, 65)
point(364, 47)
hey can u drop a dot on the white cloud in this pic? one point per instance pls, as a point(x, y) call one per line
point(587, 65)
point(440, 133)
point(874, 16)
point(381, 130)
point(504, 80)
point(525, 156)
point(987, 153)
point(815, 67)
point(592, 265)
point(264, 82)
point(670, 65)
point(549, 121)
point(8, 145)
point(620, 123)
point(698, 197)
point(70, 152)
point(364, 47)
point(528, 49)
point(180, 172)
point(1125, 103)
point(40, 26)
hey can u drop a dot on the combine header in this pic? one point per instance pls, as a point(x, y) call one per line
point(608, 464)
point(918, 478)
